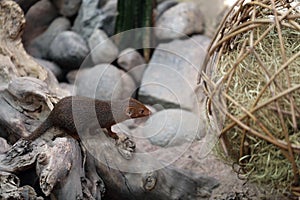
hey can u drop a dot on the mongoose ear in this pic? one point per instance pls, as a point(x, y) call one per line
point(129, 112)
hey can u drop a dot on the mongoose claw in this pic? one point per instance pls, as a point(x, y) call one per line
point(126, 147)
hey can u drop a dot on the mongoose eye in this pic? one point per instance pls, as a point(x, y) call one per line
point(129, 112)
point(141, 111)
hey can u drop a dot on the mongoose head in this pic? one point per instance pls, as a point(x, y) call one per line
point(136, 109)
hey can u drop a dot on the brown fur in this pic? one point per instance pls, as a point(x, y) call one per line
point(76, 112)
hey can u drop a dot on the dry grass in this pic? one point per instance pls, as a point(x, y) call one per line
point(254, 61)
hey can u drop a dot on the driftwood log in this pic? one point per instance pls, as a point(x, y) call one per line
point(61, 167)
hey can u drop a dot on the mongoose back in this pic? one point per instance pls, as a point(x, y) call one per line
point(74, 111)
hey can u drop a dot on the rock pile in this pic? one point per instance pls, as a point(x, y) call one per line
point(73, 40)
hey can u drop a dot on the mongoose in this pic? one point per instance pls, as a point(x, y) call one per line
point(74, 112)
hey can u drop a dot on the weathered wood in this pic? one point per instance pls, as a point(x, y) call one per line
point(140, 176)
point(60, 166)
point(11, 28)
point(93, 182)
point(15, 62)
point(25, 86)
point(18, 158)
point(9, 188)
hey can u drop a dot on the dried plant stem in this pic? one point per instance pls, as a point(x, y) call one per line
point(253, 64)
point(292, 104)
point(239, 122)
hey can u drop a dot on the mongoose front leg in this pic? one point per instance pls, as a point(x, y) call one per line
point(125, 145)
point(112, 134)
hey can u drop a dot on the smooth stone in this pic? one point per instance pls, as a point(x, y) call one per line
point(108, 17)
point(214, 11)
point(54, 68)
point(68, 49)
point(71, 75)
point(172, 127)
point(171, 76)
point(133, 63)
point(185, 18)
point(38, 18)
point(88, 19)
point(39, 47)
point(67, 8)
point(103, 50)
point(105, 82)
point(68, 87)
point(163, 6)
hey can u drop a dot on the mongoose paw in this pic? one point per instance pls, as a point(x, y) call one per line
point(126, 147)
point(126, 143)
